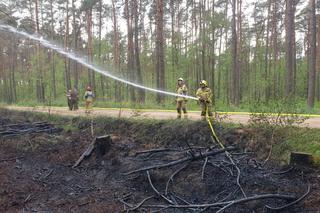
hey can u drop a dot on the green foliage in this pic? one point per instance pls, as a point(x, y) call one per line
point(297, 140)
point(261, 81)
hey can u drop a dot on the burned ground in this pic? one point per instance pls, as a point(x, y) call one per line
point(36, 173)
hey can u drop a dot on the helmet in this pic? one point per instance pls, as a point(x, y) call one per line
point(180, 79)
point(204, 83)
point(89, 88)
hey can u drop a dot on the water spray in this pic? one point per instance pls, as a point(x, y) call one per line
point(82, 60)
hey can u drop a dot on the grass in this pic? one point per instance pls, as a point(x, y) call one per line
point(303, 140)
point(287, 139)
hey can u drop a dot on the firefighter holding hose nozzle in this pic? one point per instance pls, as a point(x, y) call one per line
point(204, 95)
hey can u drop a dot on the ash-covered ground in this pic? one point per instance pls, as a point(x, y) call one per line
point(36, 173)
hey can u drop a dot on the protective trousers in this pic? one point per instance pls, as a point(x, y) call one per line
point(181, 106)
point(206, 107)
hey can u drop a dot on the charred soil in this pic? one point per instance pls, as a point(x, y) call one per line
point(36, 173)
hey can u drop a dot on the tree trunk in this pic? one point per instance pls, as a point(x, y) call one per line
point(239, 53)
point(116, 51)
point(312, 54)
point(235, 80)
point(52, 54)
point(89, 46)
point(274, 39)
point(102, 77)
point(13, 61)
point(66, 43)
point(75, 46)
point(213, 57)
point(173, 39)
point(141, 92)
point(318, 58)
point(39, 81)
point(290, 32)
point(266, 55)
point(160, 66)
point(130, 55)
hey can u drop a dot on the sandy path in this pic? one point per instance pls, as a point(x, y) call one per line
point(242, 118)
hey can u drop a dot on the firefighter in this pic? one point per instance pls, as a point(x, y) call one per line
point(181, 101)
point(88, 96)
point(204, 94)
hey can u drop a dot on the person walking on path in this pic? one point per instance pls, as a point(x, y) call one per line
point(88, 97)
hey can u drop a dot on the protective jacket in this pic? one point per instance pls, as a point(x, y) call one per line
point(204, 94)
point(181, 90)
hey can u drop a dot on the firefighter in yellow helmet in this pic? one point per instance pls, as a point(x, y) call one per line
point(204, 94)
point(181, 101)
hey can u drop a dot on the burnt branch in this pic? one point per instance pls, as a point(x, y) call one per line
point(292, 203)
point(227, 203)
point(172, 176)
point(139, 204)
point(156, 191)
point(182, 160)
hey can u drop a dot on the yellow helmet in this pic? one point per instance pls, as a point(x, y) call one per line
point(203, 82)
point(180, 79)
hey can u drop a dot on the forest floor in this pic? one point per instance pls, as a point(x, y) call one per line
point(312, 121)
point(36, 173)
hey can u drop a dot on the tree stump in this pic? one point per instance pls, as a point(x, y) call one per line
point(301, 159)
point(103, 144)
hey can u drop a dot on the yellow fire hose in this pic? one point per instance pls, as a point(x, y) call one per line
point(212, 129)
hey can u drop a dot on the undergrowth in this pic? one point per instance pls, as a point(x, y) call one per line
point(282, 139)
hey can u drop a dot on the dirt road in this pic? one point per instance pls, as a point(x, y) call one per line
point(240, 117)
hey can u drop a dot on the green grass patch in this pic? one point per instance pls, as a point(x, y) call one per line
point(303, 140)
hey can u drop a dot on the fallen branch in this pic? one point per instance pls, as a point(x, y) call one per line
point(27, 199)
point(238, 171)
point(139, 204)
point(172, 176)
point(157, 192)
point(195, 157)
point(225, 207)
point(223, 204)
point(204, 168)
point(270, 151)
point(292, 203)
point(283, 172)
point(229, 156)
point(86, 153)
point(10, 159)
point(47, 175)
point(222, 169)
point(156, 151)
point(181, 199)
